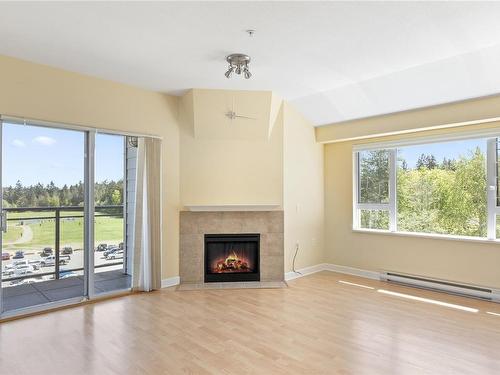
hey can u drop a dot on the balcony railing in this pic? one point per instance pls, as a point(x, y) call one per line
point(58, 214)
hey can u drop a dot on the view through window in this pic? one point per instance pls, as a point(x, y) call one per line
point(44, 188)
point(440, 188)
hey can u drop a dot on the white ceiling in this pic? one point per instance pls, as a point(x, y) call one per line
point(333, 61)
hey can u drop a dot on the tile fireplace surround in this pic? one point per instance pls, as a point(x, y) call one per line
point(194, 226)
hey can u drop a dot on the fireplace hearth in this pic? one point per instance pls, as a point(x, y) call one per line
point(232, 257)
point(194, 226)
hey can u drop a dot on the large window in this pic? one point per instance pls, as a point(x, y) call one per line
point(67, 214)
point(438, 186)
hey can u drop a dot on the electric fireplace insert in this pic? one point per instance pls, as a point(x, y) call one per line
point(232, 257)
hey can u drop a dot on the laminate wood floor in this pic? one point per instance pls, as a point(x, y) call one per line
point(319, 325)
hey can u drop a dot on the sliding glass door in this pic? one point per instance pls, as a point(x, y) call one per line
point(111, 271)
point(43, 210)
point(64, 215)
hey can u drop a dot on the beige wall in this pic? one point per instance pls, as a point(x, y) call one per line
point(470, 262)
point(302, 191)
point(276, 161)
point(450, 115)
point(243, 164)
point(44, 93)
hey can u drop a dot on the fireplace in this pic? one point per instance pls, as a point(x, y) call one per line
point(232, 257)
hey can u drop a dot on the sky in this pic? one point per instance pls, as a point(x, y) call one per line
point(450, 150)
point(34, 154)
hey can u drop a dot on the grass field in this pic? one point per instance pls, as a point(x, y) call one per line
point(107, 230)
point(13, 233)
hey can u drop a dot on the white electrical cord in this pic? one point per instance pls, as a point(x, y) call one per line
point(293, 261)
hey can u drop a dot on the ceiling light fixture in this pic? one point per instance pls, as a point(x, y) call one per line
point(238, 63)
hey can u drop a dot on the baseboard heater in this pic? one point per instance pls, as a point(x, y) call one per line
point(488, 294)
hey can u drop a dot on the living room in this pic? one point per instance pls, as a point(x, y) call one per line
point(249, 187)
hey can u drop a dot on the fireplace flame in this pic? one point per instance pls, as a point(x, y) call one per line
point(232, 263)
point(232, 258)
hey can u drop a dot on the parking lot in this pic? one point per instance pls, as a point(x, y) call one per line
point(37, 264)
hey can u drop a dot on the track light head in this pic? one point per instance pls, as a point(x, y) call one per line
point(229, 72)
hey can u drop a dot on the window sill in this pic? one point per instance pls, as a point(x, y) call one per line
point(428, 235)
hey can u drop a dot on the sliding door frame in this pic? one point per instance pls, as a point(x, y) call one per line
point(89, 216)
point(89, 211)
point(1, 216)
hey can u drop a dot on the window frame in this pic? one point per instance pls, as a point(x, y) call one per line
point(493, 211)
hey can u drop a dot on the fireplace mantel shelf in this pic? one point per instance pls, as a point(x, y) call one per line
point(233, 207)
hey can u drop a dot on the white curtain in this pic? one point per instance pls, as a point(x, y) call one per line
point(147, 227)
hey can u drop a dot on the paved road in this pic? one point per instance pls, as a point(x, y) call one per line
point(26, 236)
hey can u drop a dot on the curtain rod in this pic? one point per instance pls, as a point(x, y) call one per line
point(69, 126)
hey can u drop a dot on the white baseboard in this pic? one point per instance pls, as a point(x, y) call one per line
point(171, 281)
point(333, 268)
point(305, 271)
point(353, 271)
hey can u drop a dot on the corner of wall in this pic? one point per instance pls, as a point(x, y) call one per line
point(303, 191)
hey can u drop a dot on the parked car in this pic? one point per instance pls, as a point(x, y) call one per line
point(66, 274)
point(110, 250)
point(115, 255)
point(51, 260)
point(5, 256)
point(101, 247)
point(18, 255)
point(48, 261)
point(67, 250)
point(8, 267)
point(8, 273)
point(23, 270)
point(121, 246)
point(19, 263)
point(47, 251)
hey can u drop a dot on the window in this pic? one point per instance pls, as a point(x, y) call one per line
point(439, 186)
point(374, 189)
point(374, 176)
point(67, 213)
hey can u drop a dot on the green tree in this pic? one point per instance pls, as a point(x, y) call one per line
point(38, 195)
point(116, 197)
point(464, 210)
point(450, 199)
point(449, 164)
point(374, 176)
point(426, 161)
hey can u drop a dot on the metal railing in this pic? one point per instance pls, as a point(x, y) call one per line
point(100, 211)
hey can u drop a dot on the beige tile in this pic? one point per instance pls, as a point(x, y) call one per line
point(194, 225)
point(276, 222)
point(191, 245)
point(191, 271)
point(272, 268)
point(187, 222)
point(271, 244)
